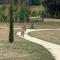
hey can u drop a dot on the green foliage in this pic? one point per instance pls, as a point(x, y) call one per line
point(34, 13)
point(4, 13)
point(15, 13)
point(43, 12)
point(24, 12)
point(53, 7)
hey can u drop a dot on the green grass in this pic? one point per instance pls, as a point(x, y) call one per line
point(21, 49)
point(50, 35)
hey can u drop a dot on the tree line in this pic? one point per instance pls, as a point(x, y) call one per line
point(53, 7)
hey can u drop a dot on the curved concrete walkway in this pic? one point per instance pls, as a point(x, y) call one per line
point(53, 48)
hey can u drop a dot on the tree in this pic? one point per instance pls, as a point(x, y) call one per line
point(53, 7)
point(24, 11)
point(11, 36)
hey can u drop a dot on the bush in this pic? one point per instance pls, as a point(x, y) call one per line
point(4, 13)
point(34, 13)
point(23, 14)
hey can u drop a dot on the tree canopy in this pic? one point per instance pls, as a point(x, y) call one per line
point(53, 7)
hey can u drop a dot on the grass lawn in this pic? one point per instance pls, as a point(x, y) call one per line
point(50, 35)
point(21, 49)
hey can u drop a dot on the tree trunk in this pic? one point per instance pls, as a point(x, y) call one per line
point(11, 36)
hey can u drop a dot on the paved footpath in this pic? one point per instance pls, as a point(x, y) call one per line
point(53, 48)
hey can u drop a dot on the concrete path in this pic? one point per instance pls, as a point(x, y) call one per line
point(53, 48)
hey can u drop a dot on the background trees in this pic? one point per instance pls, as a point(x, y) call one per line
point(24, 11)
point(4, 13)
point(21, 10)
point(53, 7)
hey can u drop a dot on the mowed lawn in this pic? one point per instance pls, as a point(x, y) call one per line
point(21, 49)
point(49, 35)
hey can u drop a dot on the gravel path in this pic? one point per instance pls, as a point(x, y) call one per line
point(53, 48)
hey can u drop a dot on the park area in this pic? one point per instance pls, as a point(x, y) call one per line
point(21, 49)
point(29, 30)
